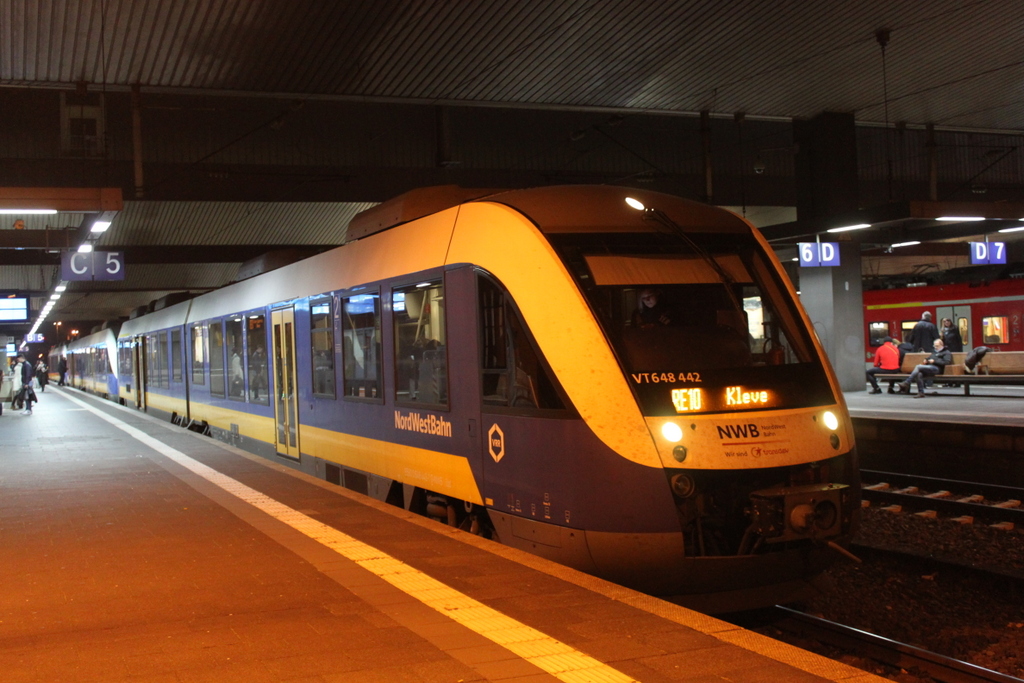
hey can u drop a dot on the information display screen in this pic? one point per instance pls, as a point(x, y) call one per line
point(14, 309)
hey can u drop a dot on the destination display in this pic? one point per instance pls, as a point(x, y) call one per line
point(698, 399)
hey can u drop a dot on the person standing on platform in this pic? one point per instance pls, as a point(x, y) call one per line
point(924, 333)
point(951, 336)
point(23, 373)
point(932, 366)
point(62, 369)
point(887, 362)
point(42, 374)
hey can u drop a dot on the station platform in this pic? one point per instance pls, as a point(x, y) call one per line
point(976, 438)
point(134, 550)
point(990, 405)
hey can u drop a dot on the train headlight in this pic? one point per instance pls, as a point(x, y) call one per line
point(672, 432)
point(831, 421)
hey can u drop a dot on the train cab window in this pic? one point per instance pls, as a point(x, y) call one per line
point(321, 340)
point(177, 360)
point(217, 384)
point(513, 374)
point(361, 344)
point(421, 361)
point(198, 355)
point(257, 368)
point(995, 330)
point(696, 319)
point(236, 370)
point(877, 332)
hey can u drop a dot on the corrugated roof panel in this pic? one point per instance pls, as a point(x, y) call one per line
point(765, 58)
point(197, 223)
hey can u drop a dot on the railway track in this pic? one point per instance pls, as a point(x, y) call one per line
point(965, 502)
point(885, 651)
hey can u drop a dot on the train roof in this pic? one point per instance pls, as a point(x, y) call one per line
point(553, 209)
point(603, 208)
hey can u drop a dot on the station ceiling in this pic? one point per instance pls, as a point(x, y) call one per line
point(560, 67)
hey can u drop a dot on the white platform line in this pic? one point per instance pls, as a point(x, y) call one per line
point(543, 651)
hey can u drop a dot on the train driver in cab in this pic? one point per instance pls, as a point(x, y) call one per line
point(651, 309)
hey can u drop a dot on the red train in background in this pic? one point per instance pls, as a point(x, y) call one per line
point(987, 314)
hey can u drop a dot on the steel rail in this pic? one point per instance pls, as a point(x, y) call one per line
point(893, 653)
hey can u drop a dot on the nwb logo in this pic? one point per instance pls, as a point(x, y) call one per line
point(746, 431)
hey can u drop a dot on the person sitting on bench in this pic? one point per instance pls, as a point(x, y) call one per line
point(932, 366)
point(887, 362)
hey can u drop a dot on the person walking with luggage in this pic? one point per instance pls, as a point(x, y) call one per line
point(23, 373)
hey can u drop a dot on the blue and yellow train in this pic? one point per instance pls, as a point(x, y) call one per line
point(628, 388)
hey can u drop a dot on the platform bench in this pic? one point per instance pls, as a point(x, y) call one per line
point(998, 368)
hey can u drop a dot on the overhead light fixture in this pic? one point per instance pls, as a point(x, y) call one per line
point(1012, 229)
point(960, 219)
point(85, 248)
point(60, 288)
point(859, 226)
point(100, 226)
point(54, 297)
point(635, 203)
point(904, 244)
point(17, 212)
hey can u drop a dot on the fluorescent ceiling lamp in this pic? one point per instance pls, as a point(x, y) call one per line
point(904, 244)
point(54, 297)
point(60, 288)
point(962, 219)
point(28, 211)
point(859, 226)
point(1012, 229)
point(85, 248)
point(100, 226)
point(635, 203)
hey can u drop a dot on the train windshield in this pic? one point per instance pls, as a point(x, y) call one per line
point(701, 325)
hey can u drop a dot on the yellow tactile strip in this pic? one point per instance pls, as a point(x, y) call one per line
point(544, 652)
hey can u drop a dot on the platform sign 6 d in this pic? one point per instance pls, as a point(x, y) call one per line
point(985, 253)
point(819, 254)
point(95, 265)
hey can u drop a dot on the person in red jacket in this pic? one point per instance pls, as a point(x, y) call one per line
point(887, 362)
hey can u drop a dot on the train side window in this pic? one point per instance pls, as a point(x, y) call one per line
point(198, 355)
point(321, 340)
point(177, 360)
point(907, 326)
point(421, 363)
point(257, 368)
point(163, 356)
point(995, 329)
point(512, 371)
point(361, 344)
point(877, 331)
point(236, 366)
point(217, 385)
point(124, 358)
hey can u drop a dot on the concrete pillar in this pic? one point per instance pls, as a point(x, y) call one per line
point(826, 174)
point(833, 298)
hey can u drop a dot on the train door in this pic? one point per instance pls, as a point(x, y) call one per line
point(139, 370)
point(961, 317)
point(286, 399)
